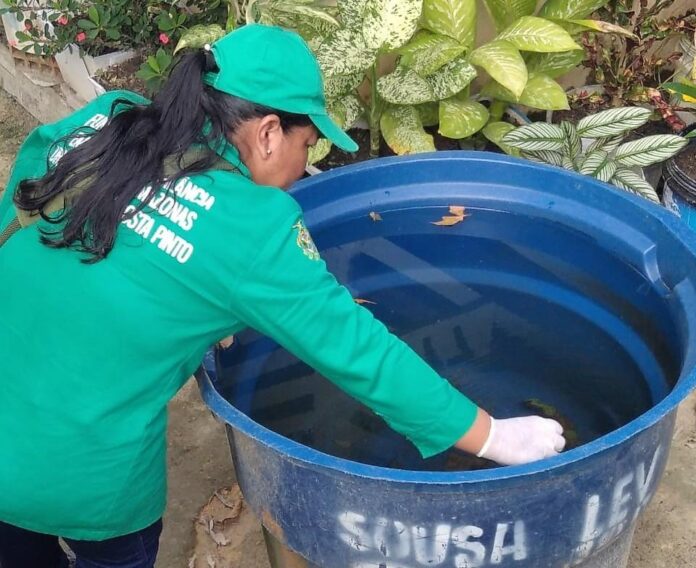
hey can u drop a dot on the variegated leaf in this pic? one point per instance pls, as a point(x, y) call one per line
point(344, 111)
point(428, 51)
point(389, 24)
point(351, 13)
point(545, 157)
point(495, 131)
point(504, 12)
point(572, 146)
point(544, 93)
point(598, 164)
point(338, 85)
point(569, 9)
point(453, 18)
point(350, 109)
point(613, 122)
point(313, 28)
point(554, 64)
point(649, 150)
point(319, 151)
point(404, 86)
point(535, 137)
point(306, 12)
point(504, 63)
point(606, 144)
point(530, 33)
point(629, 180)
point(429, 113)
point(460, 117)
point(495, 91)
point(198, 36)
point(568, 164)
point(605, 27)
point(451, 78)
point(344, 52)
point(403, 130)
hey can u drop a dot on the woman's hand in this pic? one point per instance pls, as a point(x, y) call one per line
point(513, 441)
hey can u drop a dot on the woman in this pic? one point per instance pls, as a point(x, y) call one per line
point(152, 230)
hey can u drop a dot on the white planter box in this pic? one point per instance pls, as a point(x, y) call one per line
point(78, 71)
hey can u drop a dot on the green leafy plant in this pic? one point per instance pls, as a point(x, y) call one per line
point(437, 60)
point(155, 69)
point(631, 66)
point(687, 91)
point(101, 26)
point(596, 147)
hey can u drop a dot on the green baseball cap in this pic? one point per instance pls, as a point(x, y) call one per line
point(274, 67)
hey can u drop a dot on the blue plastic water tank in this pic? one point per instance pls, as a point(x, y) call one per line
point(555, 288)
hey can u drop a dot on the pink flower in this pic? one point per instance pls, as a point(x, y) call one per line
point(164, 38)
point(62, 21)
point(82, 36)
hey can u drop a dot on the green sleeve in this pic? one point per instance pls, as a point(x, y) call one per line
point(289, 295)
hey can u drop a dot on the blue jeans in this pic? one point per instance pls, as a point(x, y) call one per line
point(20, 548)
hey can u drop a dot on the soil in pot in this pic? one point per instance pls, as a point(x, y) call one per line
point(122, 76)
point(686, 160)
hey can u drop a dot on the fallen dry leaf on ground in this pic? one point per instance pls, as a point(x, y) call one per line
point(458, 214)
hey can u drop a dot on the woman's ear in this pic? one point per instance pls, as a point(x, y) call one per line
point(269, 135)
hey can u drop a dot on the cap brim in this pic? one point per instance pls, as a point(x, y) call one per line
point(332, 131)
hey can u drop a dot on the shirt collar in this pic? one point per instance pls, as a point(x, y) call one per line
point(230, 154)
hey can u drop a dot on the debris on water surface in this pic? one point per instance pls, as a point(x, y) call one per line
point(549, 411)
point(375, 216)
point(458, 214)
point(362, 301)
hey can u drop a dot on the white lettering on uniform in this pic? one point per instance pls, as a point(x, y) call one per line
point(189, 191)
point(140, 222)
point(171, 243)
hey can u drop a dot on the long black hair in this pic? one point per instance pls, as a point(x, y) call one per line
point(127, 155)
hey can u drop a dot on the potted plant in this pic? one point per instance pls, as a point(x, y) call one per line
point(607, 156)
point(629, 67)
point(437, 60)
point(679, 193)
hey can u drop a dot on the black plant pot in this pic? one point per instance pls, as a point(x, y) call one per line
point(679, 193)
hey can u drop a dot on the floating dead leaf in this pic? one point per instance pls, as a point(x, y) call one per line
point(375, 216)
point(458, 214)
point(362, 301)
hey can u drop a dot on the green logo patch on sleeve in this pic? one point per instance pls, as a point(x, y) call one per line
point(305, 242)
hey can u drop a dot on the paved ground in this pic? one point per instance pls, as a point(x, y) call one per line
point(199, 464)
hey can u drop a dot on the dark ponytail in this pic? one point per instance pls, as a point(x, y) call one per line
point(128, 154)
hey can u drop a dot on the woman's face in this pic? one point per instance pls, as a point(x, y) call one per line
point(274, 157)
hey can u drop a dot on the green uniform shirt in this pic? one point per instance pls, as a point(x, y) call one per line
point(91, 354)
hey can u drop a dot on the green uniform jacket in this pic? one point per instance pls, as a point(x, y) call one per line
point(91, 354)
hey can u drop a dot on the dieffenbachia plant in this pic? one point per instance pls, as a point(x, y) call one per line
point(596, 147)
point(437, 61)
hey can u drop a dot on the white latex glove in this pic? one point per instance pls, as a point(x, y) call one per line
point(514, 441)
